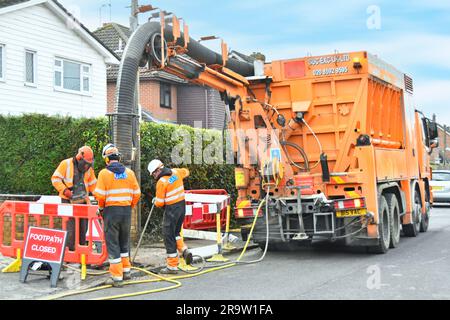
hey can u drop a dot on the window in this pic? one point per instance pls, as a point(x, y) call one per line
point(165, 95)
point(2, 62)
point(30, 67)
point(72, 76)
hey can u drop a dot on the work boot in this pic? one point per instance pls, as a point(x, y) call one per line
point(114, 283)
point(126, 276)
point(168, 271)
point(187, 255)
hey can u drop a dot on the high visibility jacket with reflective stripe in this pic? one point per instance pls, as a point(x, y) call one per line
point(170, 189)
point(62, 178)
point(120, 191)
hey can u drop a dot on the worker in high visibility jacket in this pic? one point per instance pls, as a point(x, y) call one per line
point(117, 193)
point(74, 179)
point(170, 195)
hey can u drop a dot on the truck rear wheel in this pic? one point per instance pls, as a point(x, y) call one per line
point(413, 229)
point(384, 228)
point(394, 211)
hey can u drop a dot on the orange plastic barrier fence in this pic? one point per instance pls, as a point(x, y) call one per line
point(17, 216)
point(209, 215)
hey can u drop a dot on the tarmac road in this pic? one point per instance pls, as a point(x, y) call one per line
point(418, 269)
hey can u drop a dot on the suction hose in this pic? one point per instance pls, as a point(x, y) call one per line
point(127, 78)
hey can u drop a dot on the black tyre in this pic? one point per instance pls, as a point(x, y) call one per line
point(384, 228)
point(244, 233)
point(413, 229)
point(426, 217)
point(394, 211)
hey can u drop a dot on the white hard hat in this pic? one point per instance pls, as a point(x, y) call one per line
point(154, 165)
point(110, 149)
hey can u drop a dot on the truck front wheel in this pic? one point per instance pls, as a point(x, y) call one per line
point(412, 230)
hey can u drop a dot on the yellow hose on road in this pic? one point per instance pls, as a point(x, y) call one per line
point(133, 294)
point(173, 279)
point(160, 278)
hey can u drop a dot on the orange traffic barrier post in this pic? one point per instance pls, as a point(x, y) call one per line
point(219, 256)
point(17, 216)
point(83, 267)
point(227, 245)
point(15, 265)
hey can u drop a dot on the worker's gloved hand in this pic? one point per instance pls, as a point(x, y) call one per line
point(68, 193)
point(154, 200)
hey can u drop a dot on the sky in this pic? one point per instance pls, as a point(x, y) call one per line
point(413, 36)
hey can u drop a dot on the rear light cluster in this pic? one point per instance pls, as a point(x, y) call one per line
point(349, 204)
point(248, 212)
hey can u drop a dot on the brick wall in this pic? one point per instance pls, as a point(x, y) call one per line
point(111, 96)
point(442, 147)
point(149, 99)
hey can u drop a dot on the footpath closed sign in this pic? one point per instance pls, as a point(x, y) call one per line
point(44, 245)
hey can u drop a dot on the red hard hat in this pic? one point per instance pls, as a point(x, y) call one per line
point(86, 154)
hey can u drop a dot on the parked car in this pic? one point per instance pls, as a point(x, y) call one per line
point(440, 185)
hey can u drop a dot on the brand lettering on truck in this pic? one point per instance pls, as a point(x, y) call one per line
point(329, 59)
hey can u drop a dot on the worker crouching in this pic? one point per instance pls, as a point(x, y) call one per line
point(117, 193)
point(170, 195)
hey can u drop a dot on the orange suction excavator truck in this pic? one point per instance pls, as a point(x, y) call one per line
point(352, 144)
point(333, 142)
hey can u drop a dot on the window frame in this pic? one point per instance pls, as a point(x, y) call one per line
point(3, 63)
point(82, 74)
point(162, 92)
point(35, 60)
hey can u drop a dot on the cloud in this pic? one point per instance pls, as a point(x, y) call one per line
point(433, 96)
point(431, 4)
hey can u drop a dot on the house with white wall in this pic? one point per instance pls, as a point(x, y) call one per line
point(49, 62)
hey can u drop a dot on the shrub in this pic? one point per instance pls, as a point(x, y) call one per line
point(33, 145)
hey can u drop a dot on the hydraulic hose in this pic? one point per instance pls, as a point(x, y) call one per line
point(317, 139)
point(266, 200)
point(300, 150)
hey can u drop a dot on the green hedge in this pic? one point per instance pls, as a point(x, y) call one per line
point(33, 145)
point(157, 142)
